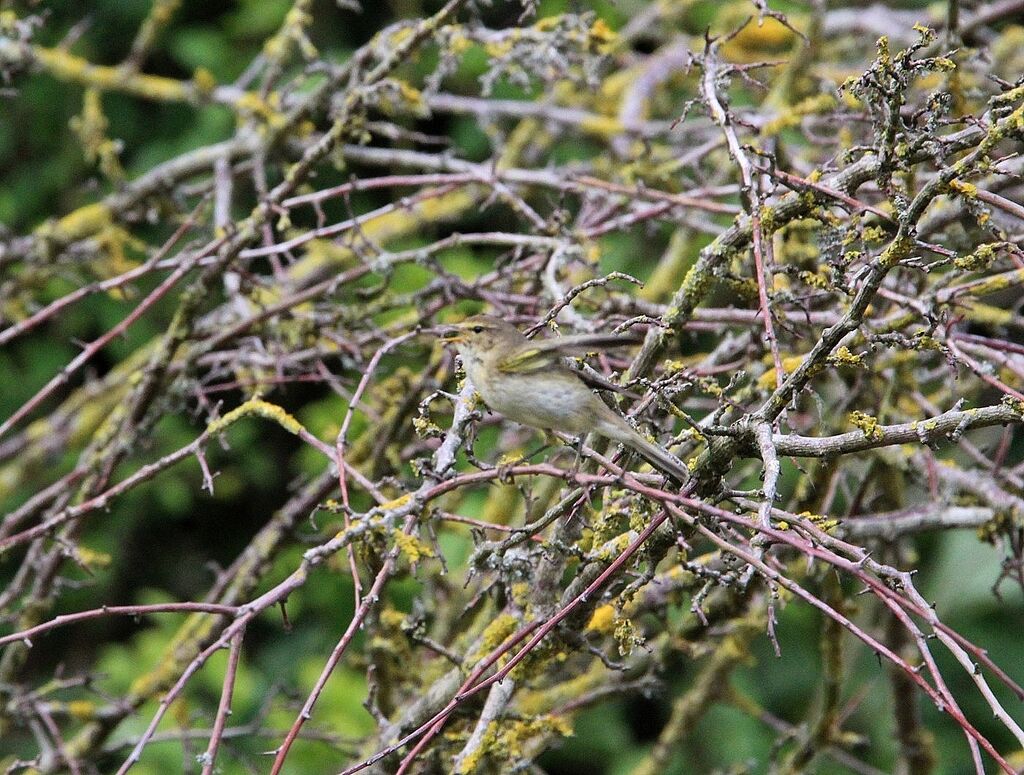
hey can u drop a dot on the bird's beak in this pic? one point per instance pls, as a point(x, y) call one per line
point(452, 335)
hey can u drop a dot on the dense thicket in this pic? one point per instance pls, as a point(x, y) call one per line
point(249, 502)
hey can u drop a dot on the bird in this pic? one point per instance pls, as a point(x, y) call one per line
point(527, 381)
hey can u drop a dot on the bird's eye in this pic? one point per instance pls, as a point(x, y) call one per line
point(478, 329)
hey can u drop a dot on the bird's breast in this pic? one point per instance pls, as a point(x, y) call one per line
point(548, 401)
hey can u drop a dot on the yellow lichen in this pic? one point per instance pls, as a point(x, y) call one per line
point(204, 81)
point(789, 364)
point(603, 619)
point(458, 43)
point(626, 636)
point(91, 128)
point(825, 523)
point(397, 503)
point(601, 126)
point(966, 190)
point(815, 105)
point(250, 104)
point(505, 741)
point(260, 408)
point(413, 548)
point(758, 39)
point(843, 357)
point(981, 258)
point(521, 592)
point(82, 710)
point(815, 280)
point(896, 251)
point(79, 224)
point(997, 282)
point(68, 67)
point(874, 234)
point(986, 313)
point(867, 425)
point(493, 636)
point(90, 558)
point(1014, 403)
point(602, 37)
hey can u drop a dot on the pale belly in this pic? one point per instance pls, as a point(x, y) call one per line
point(567, 404)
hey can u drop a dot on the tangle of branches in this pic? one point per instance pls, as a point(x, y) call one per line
point(811, 220)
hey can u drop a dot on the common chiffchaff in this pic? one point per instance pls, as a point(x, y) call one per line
point(528, 382)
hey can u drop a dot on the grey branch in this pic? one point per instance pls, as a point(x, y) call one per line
point(928, 431)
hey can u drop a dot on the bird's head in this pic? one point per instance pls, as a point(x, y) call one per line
point(481, 334)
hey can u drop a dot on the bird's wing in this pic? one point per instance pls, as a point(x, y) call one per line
point(542, 353)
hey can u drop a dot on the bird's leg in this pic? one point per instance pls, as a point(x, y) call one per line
point(514, 460)
point(537, 451)
point(577, 445)
point(574, 443)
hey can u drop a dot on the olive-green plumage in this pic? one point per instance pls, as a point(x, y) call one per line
point(527, 381)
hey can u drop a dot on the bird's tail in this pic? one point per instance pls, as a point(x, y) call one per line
point(619, 430)
point(660, 458)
